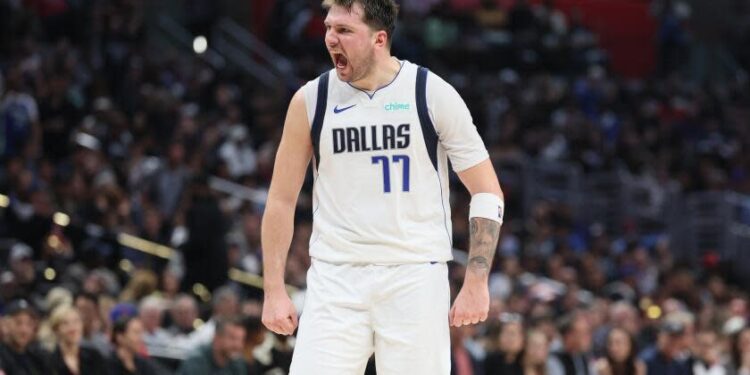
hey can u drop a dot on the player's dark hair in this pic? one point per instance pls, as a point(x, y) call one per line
point(379, 14)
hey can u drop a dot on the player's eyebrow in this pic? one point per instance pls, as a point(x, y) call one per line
point(337, 24)
point(338, 21)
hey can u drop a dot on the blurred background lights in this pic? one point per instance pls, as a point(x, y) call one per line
point(200, 44)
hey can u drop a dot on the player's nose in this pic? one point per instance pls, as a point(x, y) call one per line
point(331, 39)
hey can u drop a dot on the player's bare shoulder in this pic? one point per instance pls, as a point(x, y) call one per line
point(297, 122)
point(297, 107)
point(296, 134)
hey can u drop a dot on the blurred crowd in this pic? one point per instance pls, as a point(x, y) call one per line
point(125, 139)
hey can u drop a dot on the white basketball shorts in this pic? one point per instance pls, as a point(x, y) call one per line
point(398, 312)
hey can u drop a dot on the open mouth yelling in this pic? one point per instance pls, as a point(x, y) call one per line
point(340, 61)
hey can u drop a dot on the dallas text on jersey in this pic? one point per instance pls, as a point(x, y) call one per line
point(383, 137)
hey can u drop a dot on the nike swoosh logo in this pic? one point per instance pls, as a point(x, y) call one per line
point(336, 109)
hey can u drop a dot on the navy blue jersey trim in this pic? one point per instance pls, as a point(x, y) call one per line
point(430, 136)
point(445, 215)
point(320, 114)
point(428, 129)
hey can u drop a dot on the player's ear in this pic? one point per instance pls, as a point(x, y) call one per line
point(381, 39)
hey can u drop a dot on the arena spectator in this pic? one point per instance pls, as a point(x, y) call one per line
point(237, 152)
point(70, 356)
point(128, 348)
point(94, 333)
point(624, 315)
point(157, 339)
point(511, 343)
point(708, 354)
point(172, 180)
point(574, 358)
point(24, 274)
point(740, 353)
point(255, 336)
point(18, 353)
point(463, 361)
point(206, 248)
point(225, 304)
point(535, 359)
point(223, 355)
point(183, 313)
point(20, 114)
point(667, 356)
point(620, 355)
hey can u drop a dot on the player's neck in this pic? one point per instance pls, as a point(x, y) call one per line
point(383, 73)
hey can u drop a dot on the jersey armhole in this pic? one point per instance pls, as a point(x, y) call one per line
point(428, 128)
point(316, 126)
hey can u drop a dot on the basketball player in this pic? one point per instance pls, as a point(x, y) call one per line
point(379, 132)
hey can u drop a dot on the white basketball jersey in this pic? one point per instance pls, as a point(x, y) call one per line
point(381, 192)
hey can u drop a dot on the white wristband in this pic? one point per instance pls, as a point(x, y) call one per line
point(487, 206)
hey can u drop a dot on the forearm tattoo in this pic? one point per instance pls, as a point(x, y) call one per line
point(482, 244)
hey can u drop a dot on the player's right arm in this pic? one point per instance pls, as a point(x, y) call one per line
point(292, 159)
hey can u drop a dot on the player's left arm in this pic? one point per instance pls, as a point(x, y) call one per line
point(484, 233)
point(473, 301)
point(470, 159)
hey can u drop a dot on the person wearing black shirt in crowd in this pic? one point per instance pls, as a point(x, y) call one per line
point(127, 339)
point(70, 357)
point(620, 357)
point(665, 358)
point(576, 339)
point(255, 334)
point(18, 354)
point(508, 359)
